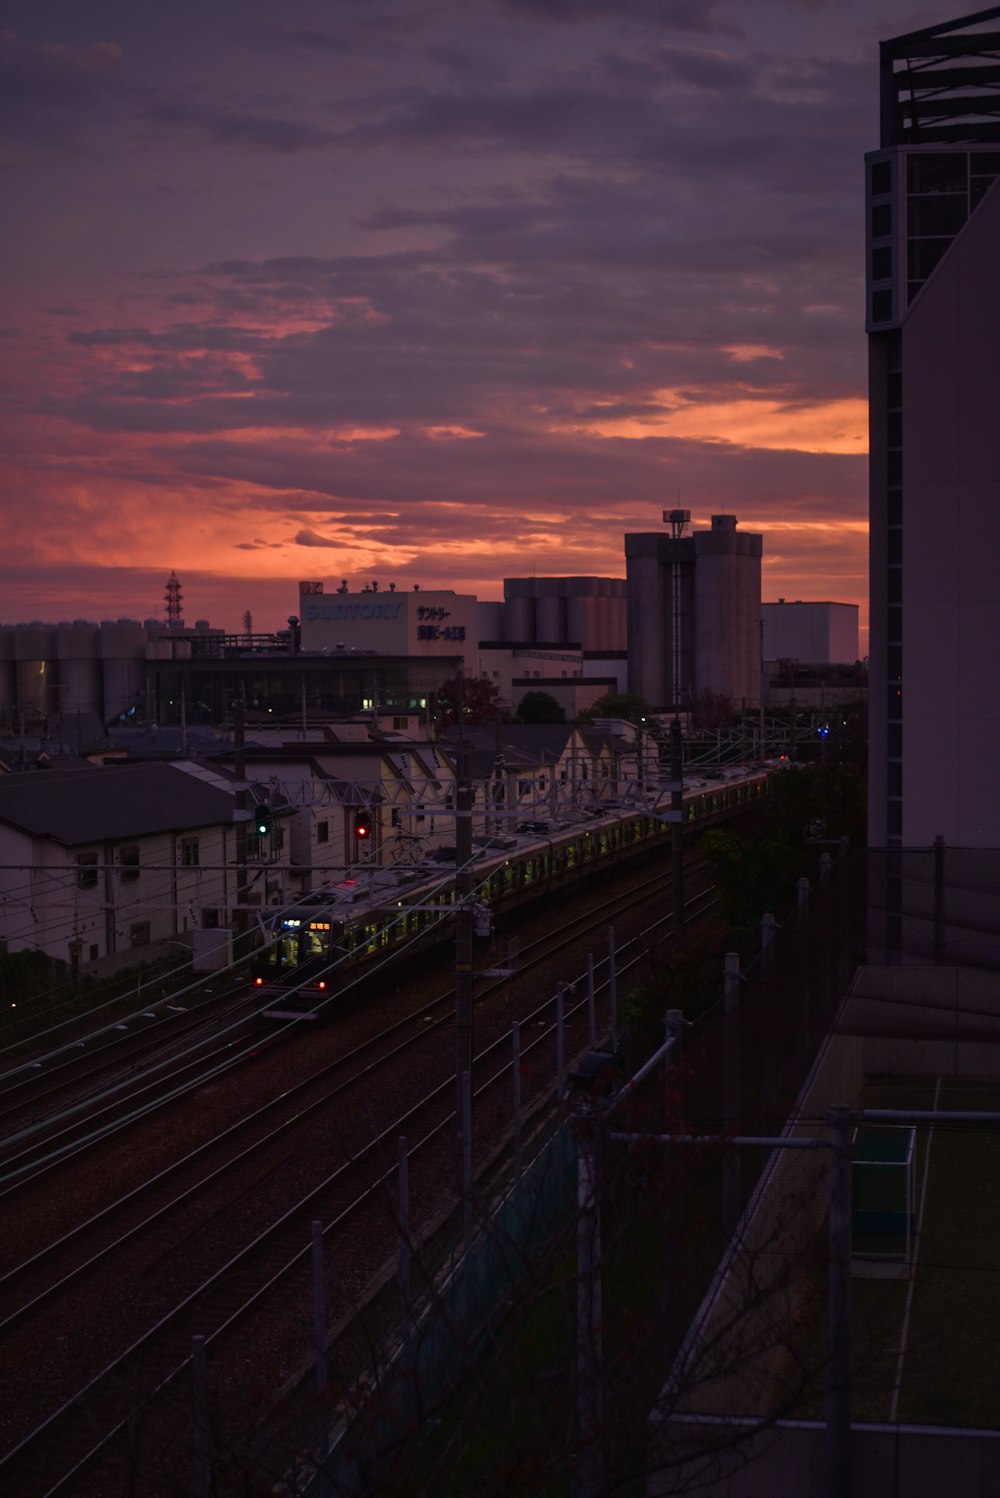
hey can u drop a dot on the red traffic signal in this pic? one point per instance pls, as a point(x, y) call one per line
point(363, 828)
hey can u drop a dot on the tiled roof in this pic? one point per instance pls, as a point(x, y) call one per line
point(96, 805)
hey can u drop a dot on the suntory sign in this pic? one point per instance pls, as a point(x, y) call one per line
point(413, 623)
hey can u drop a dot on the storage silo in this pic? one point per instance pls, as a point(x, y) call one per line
point(580, 620)
point(518, 610)
point(727, 611)
point(8, 698)
point(550, 623)
point(123, 653)
point(617, 617)
point(35, 670)
point(78, 650)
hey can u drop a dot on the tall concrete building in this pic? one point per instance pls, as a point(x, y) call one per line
point(933, 319)
point(694, 612)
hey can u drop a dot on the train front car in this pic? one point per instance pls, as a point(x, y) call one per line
point(295, 970)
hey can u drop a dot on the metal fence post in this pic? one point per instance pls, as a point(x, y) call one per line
point(588, 1315)
point(202, 1455)
point(613, 988)
point(319, 1306)
point(838, 1309)
point(515, 1036)
point(560, 1038)
point(405, 1302)
point(591, 1005)
point(731, 1186)
point(768, 1035)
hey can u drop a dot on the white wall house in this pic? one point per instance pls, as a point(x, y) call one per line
point(106, 867)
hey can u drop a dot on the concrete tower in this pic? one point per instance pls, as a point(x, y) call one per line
point(694, 612)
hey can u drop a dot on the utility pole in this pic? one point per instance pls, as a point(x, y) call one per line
point(240, 766)
point(677, 821)
point(463, 965)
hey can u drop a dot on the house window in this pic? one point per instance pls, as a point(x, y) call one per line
point(128, 859)
point(140, 933)
point(86, 871)
point(94, 949)
point(322, 832)
point(210, 918)
point(189, 852)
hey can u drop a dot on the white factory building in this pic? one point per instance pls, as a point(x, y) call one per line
point(389, 622)
point(814, 633)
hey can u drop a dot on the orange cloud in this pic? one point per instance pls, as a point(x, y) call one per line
point(839, 426)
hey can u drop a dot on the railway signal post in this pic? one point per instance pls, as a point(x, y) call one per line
point(463, 978)
point(677, 821)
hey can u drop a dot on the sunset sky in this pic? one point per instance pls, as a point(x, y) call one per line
point(429, 291)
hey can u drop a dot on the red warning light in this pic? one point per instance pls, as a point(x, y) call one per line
point(363, 826)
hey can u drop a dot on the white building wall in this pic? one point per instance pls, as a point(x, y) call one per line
point(815, 633)
point(438, 623)
point(951, 541)
point(50, 901)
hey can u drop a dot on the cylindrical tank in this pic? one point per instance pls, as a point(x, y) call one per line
point(8, 700)
point(34, 657)
point(617, 622)
point(576, 620)
point(602, 628)
point(490, 620)
point(519, 620)
point(727, 609)
point(78, 650)
point(123, 651)
point(549, 622)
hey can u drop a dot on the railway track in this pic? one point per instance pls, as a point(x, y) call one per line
point(53, 1454)
point(46, 1082)
point(74, 1123)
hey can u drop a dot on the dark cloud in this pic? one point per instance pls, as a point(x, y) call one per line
point(197, 336)
point(311, 538)
point(46, 87)
point(679, 15)
point(241, 130)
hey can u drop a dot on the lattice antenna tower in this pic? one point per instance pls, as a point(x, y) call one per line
point(173, 596)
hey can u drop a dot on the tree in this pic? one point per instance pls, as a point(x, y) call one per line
point(712, 711)
point(539, 707)
point(478, 697)
point(628, 705)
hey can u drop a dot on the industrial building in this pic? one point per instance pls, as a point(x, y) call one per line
point(933, 320)
point(437, 624)
point(587, 612)
point(66, 680)
point(694, 612)
point(814, 633)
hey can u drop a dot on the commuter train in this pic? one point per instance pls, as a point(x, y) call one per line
point(320, 946)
